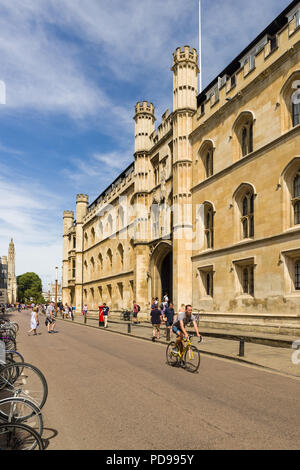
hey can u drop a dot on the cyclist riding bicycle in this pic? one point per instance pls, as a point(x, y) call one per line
point(179, 328)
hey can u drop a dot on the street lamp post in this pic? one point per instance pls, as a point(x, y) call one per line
point(56, 282)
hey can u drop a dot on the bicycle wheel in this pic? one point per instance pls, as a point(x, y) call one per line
point(192, 359)
point(172, 359)
point(18, 436)
point(13, 357)
point(24, 380)
point(21, 410)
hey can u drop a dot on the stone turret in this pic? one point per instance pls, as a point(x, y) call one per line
point(185, 78)
point(144, 126)
point(11, 280)
point(82, 203)
point(185, 88)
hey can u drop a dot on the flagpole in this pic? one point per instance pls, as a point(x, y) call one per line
point(200, 48)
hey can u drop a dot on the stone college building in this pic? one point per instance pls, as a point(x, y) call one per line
point(209, 209)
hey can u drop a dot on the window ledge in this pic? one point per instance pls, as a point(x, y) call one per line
point(244, 297)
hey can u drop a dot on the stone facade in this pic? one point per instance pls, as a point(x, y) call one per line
point(8, 280)
point(209, 210)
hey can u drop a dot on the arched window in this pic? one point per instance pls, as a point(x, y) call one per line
point(209, 226)
point(93, 235)
point(100, 260)
point(121, 217)
point(121, 255)
point(296, 198)
point(155, 220)
point(86, 240)
point(206, 155)
point(290, 102)
point(109, 258)
point(247, 138)
point(209, 168)
point(244, 209)
point(243, 134)
point(247, 218)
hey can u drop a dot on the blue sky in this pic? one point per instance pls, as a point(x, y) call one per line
point(74, 70)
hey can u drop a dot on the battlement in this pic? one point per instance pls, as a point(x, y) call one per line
point(82, 198)
point(186, 54)
point(68, 214)
point(144, 107)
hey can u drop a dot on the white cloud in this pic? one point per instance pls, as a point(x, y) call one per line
point(28, 213)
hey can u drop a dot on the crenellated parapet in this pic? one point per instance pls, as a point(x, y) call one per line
point(82, 198)
point(185, 55)
point(185, 79)
point(68, 215)
point(144, 125)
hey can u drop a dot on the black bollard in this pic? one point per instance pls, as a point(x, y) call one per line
point(168, 334)
point(129, 328)
point(242, 348)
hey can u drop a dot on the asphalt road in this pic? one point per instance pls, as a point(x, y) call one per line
point(113, 392)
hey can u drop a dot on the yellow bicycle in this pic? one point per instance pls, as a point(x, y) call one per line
point(189, 358)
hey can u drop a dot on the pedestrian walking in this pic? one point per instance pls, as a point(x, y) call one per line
point(105, 315)
point(169, 318)
point(66, 311)
point(136, 310)
point(85, 312)
point(73, 312)
point(34, 321)
point(50, 318)
point(156, 317)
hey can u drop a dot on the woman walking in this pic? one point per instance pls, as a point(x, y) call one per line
point(34, 321)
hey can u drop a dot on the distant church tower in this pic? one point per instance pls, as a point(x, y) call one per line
point(12, 280)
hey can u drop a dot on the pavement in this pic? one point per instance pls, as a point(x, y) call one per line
point(116, 392)
point(280, 359)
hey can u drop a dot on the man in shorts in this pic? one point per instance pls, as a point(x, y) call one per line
point(179, 328)
point(50, 318)
point(156, 317)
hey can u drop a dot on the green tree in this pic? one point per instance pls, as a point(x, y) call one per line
point(30, 286)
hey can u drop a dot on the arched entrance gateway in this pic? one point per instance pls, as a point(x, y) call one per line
point(161, 271)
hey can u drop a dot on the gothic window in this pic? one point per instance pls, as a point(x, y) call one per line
point(109, 258)
point(206, 155)
point(243, 138)
point(93, 236)
point(296, 114)
point(209, 226)
point(247, 138)
point(296, 198)
point(247, 218)
point(73, 269)
point(121, 217)
point(290, 102)
point(248, 280)
point(209, 284)
point(121, 255)
point(100, 258)
point(297, 275)
point(209, 163)
point(155, 220)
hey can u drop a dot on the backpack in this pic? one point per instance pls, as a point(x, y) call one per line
point(138, 308)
